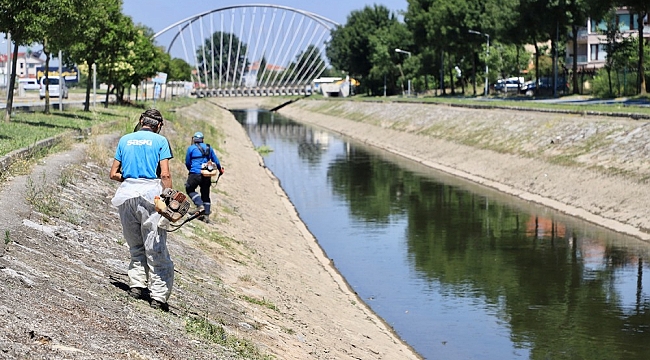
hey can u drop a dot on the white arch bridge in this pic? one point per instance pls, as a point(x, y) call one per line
point(251, 50)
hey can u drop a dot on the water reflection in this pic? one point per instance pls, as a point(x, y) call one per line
point(460, 271)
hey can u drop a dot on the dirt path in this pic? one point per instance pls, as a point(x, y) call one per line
point(251, 284)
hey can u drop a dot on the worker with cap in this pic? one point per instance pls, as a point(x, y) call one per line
point(141, 165)
point(202, 163)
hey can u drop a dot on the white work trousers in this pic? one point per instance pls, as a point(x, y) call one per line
point(150, 265)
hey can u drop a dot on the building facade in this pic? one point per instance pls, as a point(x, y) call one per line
point(591, 54)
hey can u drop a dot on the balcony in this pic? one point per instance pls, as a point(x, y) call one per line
point(582, 60)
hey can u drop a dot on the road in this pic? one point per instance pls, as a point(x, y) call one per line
point(31, 99)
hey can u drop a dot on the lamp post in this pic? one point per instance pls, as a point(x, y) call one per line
point(409, 81)
point(487, 54)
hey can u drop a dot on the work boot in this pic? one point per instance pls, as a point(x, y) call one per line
point(135, 292)
point(205, 219)
point(200, 209)
point(159, 305)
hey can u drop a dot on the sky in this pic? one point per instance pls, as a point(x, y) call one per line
point(158, 14)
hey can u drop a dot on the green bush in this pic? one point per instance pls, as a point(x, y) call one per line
point(623, 84)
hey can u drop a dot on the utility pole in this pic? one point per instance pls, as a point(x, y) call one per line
point(409, 54)
point(487, 55)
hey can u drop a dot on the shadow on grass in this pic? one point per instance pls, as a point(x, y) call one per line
point(44, 124)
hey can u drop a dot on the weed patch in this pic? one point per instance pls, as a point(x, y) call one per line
point(263, 150)
point(217, 334)
point(42, 196)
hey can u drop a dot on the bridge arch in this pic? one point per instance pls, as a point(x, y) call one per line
point(251, 49)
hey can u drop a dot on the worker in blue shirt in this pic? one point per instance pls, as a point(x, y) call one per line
point(141, 165)
point(202, 163)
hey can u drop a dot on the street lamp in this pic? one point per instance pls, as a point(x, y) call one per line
point(487, 54)
point(409, 81)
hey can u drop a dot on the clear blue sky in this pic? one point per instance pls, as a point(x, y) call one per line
point(158, 14)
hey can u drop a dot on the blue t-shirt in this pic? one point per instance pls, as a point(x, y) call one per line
point(140, 152)
point(194, 158)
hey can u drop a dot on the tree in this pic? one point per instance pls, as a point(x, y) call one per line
point(308, 63)
point(52, 38)
point(351, 48)
point(19, 18)
point(111, 64)
point(225, 61)
point(137, 58)
point(641, 8)
point(178, 69)
point(95, 36)
point(578, 11)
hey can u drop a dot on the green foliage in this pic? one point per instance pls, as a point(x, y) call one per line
point(264, 150)
point(364, 47)
point(228, 66)
point(177, 69)
point(263, 302)
point(217, 334)
point(97, 38)
point(613, 83)
point(42, 196)
point(507, 61)
point(307, 62)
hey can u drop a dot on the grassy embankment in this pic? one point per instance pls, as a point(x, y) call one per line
point(514, 103)
point(27, 129)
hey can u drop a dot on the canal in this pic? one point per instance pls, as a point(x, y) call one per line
point(458, 270)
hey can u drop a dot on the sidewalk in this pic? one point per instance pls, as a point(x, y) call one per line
point(588, 100)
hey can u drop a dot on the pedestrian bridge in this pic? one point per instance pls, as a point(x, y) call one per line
point(251, 50)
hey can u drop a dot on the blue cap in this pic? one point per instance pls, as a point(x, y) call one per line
point(198, 135)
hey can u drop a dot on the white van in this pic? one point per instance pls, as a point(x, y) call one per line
point(54, 88)
point(29, 84)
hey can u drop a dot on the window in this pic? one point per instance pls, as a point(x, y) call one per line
point(635, 21)
point(624, 22)
point(594, 52)
point(596, 27)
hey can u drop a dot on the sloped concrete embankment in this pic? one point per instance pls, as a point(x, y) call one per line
point(592, 167)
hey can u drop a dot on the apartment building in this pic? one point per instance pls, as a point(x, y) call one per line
point(591, 44)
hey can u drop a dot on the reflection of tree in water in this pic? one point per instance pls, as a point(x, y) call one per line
point(311, 143)
point(372, 187)
point(535, 272)
point(314, 146)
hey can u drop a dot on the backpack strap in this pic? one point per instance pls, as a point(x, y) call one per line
point(205, 152)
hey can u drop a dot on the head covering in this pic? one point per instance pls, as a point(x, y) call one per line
point(152, 118)
point(198, 137)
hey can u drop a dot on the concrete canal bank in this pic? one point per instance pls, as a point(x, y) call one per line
point(592, 167)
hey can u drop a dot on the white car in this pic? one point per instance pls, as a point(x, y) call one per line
point(54, 88)
point(29, 84)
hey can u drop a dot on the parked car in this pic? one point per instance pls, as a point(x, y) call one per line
point(54, 88)
point(510, 84)
point(545, 86)
point(29, 84)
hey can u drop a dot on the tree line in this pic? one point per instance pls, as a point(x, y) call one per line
point(88, 32)
point(449, 40)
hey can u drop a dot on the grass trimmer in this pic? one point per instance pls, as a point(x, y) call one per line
point(173, 205)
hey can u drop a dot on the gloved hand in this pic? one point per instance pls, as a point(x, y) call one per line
point(221, 171)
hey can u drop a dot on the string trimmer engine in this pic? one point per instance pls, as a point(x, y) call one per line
point(172, 204)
